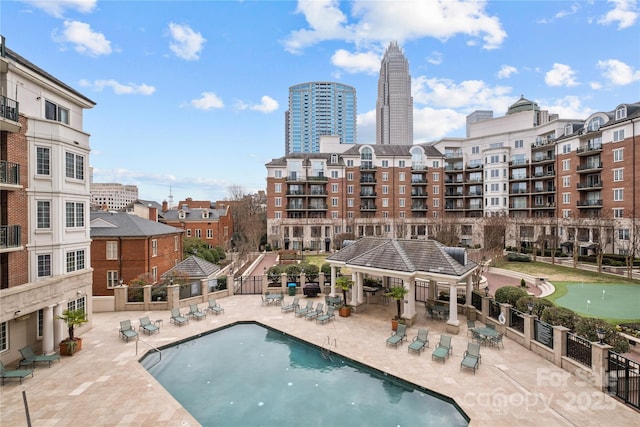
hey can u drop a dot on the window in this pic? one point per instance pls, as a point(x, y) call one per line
point(436, 189)
point(618, 174)
point(566, 148)
point(349, 203)
point(55, 112)
point(277, 188)
point(334, 174)
point(401, 189)
point(436, 177)
point(618, 194)
point(566, 198)
point(401, 203)
point(518, 143)
point(198, 235)
point(566, 213)
point(209, 233)
point(277, 173)
point(75, 214)
point(385, 203)
point(349, 215)
point(75, 260)
point(74, 166)
point(401, 163)
point(618, 213)
point(349, 189)
point(44, 265)
point(350, 163)
point(401, 176)
point(176, 243)
point(112, 278)
point(566, 181)
point(334, 215)
point(4, 337)
point(334, 159)
point(436, 203)
point(277, 201)
point(595, 124)
point(568, 129)
point(112, 249)
point(385, 176)
point(623, 234)
point(621, 113)
point(188, 232)
point(334, 188)
point(43, 214)
point(495, 188)
point(618, 135)
point(349, 176)
point(43, 161)
point(385, 189)
point(566, 165)
point(77, 304)
point(436, 163)
point(385, 163)
point(618, 154)
point(334, 201)
point(278, 215)
point(476, 150)
point(154, 274)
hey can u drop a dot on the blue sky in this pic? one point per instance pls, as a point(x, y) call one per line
point(191, 95)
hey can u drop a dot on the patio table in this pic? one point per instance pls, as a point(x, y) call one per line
point(441, 311)
point(486, 333)
point(274, 298)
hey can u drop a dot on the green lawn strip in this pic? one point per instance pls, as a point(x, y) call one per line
point(543, 269)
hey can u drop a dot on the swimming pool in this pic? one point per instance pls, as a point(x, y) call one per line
point(250, 375)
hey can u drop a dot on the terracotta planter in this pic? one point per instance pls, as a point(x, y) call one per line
point(69, 350)
point(344, 311)
point(394, 325)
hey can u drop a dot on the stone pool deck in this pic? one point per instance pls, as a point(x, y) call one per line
point(104, 385)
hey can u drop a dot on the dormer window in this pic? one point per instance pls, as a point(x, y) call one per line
point(205, 214)
point(621, 113)
point(568, 129)
point(595, 123)
point(334, 159)
point(181, 214)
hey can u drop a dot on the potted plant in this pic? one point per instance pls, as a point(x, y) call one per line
point(344, 283)
point(397, 293)
point(72, 318)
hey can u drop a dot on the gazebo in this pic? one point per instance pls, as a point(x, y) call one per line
point(410, 261)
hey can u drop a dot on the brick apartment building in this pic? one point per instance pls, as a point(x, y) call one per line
point(44, 203)
point(210, 222)
point(570, 183)
point(125, 246)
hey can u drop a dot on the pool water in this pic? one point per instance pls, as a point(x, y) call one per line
point(251, 375)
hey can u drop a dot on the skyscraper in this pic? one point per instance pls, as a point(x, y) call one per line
point(394, 107)
point(319, 108)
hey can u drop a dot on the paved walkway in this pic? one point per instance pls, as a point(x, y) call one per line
point(104, 385)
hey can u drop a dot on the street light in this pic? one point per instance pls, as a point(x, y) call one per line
point(530, 307)
point(486, 291)
point(600, 333)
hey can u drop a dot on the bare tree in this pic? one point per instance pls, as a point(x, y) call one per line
point(448, 232)
point(249, 219)
point(495, 232)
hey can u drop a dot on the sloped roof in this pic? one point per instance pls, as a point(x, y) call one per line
point(121, 224)
point(194, 214)
point(405, 255)
point(194, 267)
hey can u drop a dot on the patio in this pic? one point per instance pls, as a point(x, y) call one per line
point(104, 382)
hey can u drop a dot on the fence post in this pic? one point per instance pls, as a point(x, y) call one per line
point(283, 282)
point(204, 287)
point(559, 344)
point(599, 365)
point(506, 312)
point(173, 296)
point(146, 297)
point(485, 309)
point(529, 329)
point(231, 285)
point(120, 297)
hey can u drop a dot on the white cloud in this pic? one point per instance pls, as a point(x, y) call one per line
point(58, 7)
point(560, 75)
point(624, 13)
point(595, 85)
point(186, 43)
point(506, 71)
point(86, 40)
point(618, 73)
point(267, 105)
point(430, 124)
point(119, 88)
point(435, 58)
point(468, 95)
point(367, 62)
point(367, 127)
point(568, 107)
point(207, 101)
point(377, 22)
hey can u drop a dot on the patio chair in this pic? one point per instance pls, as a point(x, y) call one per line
point(127, 330)
point(420, 341)
point(471, 324)
point(312, 314)
point(497, 340)
point(290, 307)
point(443, 348)
point(15, 373)
point(147, 327)
point(214, 307)
point(478, 338)
point(302, 311)
point(195, 312)
point(428, 310)
point(471, 357)
point(29, 358)
point(177, 317)
point(326, 317)
point(398, 336)
point(491, 326)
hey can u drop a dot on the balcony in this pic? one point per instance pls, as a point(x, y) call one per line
point(589, 203)
point(519, 162)
point(10, 237)
point(9, 174)
point(542, 142)
point(419, 167)
point(589, 167)
point(370, 207)
point(295, 207)
point(548, 189)
point(453, 154)
point(365, 194)
point(588, 149)
point(418, 194)
point(295, 193)
point(589, 186)
point(419, 207)
point(519, 191)
point(453, 194)
point(367, 167)
point(518, 206)
point(519, 177)
point(367, 179)
point(542, 159)
point(419, 180)
point(317, 207)
point(318, 193)
point(9, 114)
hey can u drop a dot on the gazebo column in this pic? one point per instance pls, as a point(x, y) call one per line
point(469, 309)
point(409, 309)
point(432, 290)
point(333, 281)
point(453, 324)
point(356, 290)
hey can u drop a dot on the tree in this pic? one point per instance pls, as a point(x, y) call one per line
point(344, 283)
point(200, 248)
point(398, 293)
point(249, 215)
point(447, 233)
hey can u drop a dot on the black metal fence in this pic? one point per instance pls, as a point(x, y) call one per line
point(579, 349)
point(543, 333)
point(251, 285)
point(422, 291)
point(476, 301)
point(624, 379)
point(494, 309)
point(516, 320)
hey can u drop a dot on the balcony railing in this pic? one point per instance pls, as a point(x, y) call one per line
point(368, 194)
point(589, 203)
point(10, 236)
point(589, 166)
point(589, 148)
point(9, 173)
point(368, 207)
point(538, 159)
point(589, 185)
point(9, 108)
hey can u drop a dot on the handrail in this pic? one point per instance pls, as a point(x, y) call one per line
point(152, 347)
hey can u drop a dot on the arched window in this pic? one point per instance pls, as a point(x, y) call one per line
point(595, 123)
point(417, 158)
point(366, 158)
point(334, 159)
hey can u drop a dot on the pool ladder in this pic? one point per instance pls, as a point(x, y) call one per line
point(327, 347)
point(154, 348)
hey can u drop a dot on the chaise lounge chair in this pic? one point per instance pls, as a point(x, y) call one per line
point(16, 373)
point(398, 336)
point(177, 317)
point(443, 348)
point(290, 307)
point(302, 311)
point(327, 316)
point(127, 331)
point(214, 307)
point(29, 358)
point(312, 314)
point(471, 357)
point(196, 313)
point(420, 342)
point(147, 327)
